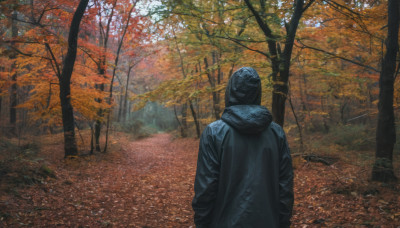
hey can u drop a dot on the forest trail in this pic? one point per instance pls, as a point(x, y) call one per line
point(149, 183)
point(157, 174)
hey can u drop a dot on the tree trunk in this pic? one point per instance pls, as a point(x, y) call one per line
point(121, 102)
point(98, 122)
point(125, 105)
point(195, 118)
point(183, 121)
point(13, 92)
point(128, 110)
point(211, 80)
point(280, 61)
point(102, 70)
point(65, 82)
point(278, 104)
point(97, 130)
point(177, 120)
point(114, 72)
point(386, 131)
point(303, 94)
point(1, 102)
point(91, 138)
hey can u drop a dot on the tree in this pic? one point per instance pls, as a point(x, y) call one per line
point(280, 59)
point(386, 132)
point(229, 20)
point(121, 41)
point(13, 92)
point(65, 82)
point(102, 59)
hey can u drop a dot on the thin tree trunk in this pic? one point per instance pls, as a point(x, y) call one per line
point(114, 72)
point(386, 131)
point(102, 70)
point(65, 82)
point(183, 121)
point(184, 107)
point(211, 80)
point(195, 118)
point(128, 110)
point(177, 118)
point(91, 138)
point(125, 105)
point(298, 125)
point(1, 102)
point(121, 102)
point(13, 92)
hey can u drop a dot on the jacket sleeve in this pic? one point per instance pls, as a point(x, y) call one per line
point(285, 184)
point(206, 182)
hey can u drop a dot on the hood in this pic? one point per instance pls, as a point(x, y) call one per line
point(242, 103)
point(244, 88)
point(248, 119)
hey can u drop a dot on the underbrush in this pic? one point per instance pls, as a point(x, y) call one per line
point(358, 137)
point(352, 143)
point(20, 166)
point(136, 128)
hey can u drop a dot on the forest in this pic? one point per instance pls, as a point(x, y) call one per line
point(103, 102)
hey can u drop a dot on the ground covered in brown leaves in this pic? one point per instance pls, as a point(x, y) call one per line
point(149, 183)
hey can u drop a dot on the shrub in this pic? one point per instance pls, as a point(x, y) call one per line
point(136, 128)
point(354, 137)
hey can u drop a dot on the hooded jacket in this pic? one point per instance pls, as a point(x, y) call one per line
point(244, 174)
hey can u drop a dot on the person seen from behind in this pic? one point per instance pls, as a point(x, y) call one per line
point(244, 175)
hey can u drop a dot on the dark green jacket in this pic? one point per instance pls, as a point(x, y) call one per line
point(244, 174)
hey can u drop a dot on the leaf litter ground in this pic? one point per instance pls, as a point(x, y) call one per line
point(149, 183)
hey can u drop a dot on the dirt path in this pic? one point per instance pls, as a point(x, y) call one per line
point(148, 183)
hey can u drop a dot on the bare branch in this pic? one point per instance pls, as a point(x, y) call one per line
point(338, 57)
point(308, 5)
point(57, 66)
point(97, 62)
point(27, 54)
point(239, 43)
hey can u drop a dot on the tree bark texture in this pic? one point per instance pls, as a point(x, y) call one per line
point(386, 131)
point(184, 121)
point(196, 122)
point(13, 92)
point(70, 146)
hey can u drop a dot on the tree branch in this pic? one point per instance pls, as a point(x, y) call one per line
point(57, 66)
point(248, 48)
point(28, 54)
point(339, 57)
point(308, 5)
point(264, 27)
point(90, 56)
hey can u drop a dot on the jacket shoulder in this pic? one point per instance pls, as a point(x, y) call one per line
point(216, 126)
point(277, 129)
point(217, 130)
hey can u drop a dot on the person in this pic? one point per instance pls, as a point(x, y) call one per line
point(244, 175)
